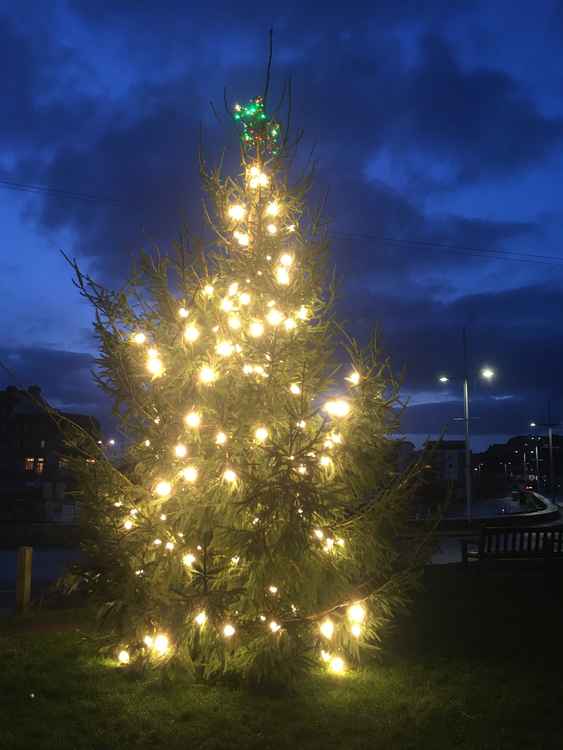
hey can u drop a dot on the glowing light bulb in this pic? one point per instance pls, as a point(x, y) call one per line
point(325, 460)
point(201, 618)
point(290, 324)
point(123, 657)
point(189, 474)
point(235, 560)
point(356, 613)
point(147, 443)
point(273, 589)
point(229, 476)
point(256, 329)
point(261, 434)
point(128, 524)
point(273, 208)
point(291, 227)
point(237, 212)
point(318, 533)
point(274, 317)
point(155, 367)
point(191, 333)
point(208, 290)
point(337, 407)
point(220, 438)
point(163, 516)
point(193, 419)
point(271, 229)
point(295, 388)
point(329, 545)
point(163, 488)
point(233, 289)
point(302, 469)
point(229, 631)
point(234, 322)
point(282, 276)
point(337, 665)
point(356, 630)
point(183, 313)
point(353, 378)
point(188, 559)
point(325, 656)
point(180, 451)
point(148, 641)
point(274, 626)
point(301, 424)
point(224, 348)
point(226, 304)
point(327, 628)
point(139, 338)
point(302, 313)
point(157, 542)
point(207, 375)
point(286, 260)
point(336, 437)
point(244, 298)
point(169, 545)
point(161, 644)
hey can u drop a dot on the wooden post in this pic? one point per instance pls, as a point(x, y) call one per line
point(23, 578)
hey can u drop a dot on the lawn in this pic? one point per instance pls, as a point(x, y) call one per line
point(476, 665)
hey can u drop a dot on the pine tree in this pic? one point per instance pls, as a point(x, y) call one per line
point(254, 527)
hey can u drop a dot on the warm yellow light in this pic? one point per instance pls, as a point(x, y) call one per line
point(329, 544)
point(295, 388)
point(161, 644)
point(302, 313)
point(226, 304)
point(228, 631)
point(147, 443)
point(180, 451)
point(157, 542)
point(234, 322)
point(163, 488)
point(274, 626)
point(274, 317)
point(286, 260)
point(224, 348)
point(291, 227)
point(282, 275)
point(290, 324)
point(302, 469)
point(233, 288)
point(188, 559)
point(128, 524)
point(325, 656)
point(169, 545)
point(139, 338)
point(208, 290)
point(123, 657)
point(337, 665)
point(302, 424)
point(336, 437)
point(353, 378)
point(271, 229)
point(148, 641)
point(356, 613)
point(327, 628)
point(261, 434)
point(237, 212)
point(155, 366)
point(201, 618)
point(242, 238)
point(207, 375)
point(193, 419)
point(189, 474)
point(244, 298)
point(220, 438)
point(256, 329)
point(337, 407)
point(273, 589)
point(163, 516)
point(183, 313)
point(191, 333)
point(318, 533)
point(229, 475)
point(273, 208)
point(356, 630)
point(325, 460)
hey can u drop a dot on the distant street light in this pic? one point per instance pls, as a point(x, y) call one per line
point(111, 442)
point(488, 374)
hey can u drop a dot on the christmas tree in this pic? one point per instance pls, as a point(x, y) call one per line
point(254, 527)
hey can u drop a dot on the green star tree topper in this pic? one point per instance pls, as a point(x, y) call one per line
point(252, 528)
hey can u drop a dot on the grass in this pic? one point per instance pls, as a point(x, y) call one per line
point(477, 665)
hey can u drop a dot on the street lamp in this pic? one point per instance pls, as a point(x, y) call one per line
point(488, 374)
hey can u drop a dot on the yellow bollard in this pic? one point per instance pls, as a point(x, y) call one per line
point(23, 578)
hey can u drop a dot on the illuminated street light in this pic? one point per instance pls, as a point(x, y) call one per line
point(487, 373)
point(444, 379)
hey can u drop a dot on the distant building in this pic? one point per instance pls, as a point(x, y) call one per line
point(446, 459)
point(32, 466)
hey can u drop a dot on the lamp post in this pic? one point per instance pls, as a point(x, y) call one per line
point(488, 374)
point(537, 454)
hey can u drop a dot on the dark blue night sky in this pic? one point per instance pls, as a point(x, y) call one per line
point(434, 124)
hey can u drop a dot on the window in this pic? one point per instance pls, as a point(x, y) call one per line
point(39, 465)
point(43, 443)
point(29, 463)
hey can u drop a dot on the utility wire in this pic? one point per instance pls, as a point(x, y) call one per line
point(499, 253)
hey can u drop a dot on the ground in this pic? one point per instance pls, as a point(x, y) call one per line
point(476, 664)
